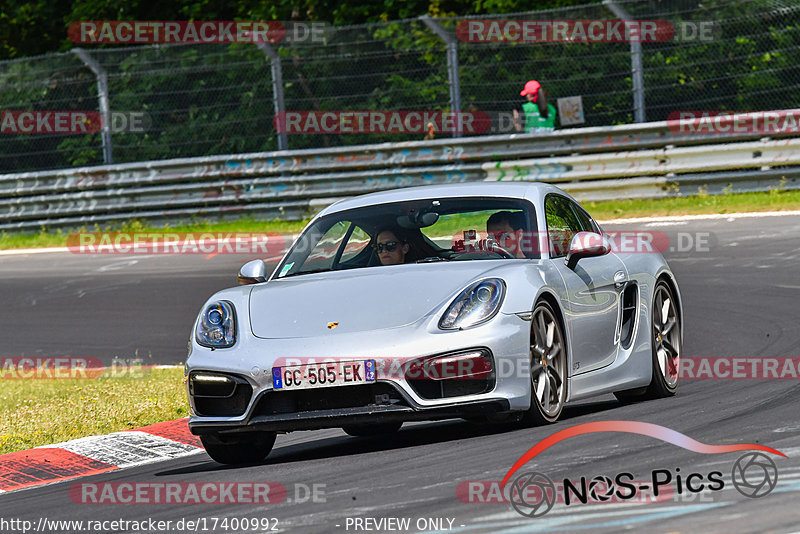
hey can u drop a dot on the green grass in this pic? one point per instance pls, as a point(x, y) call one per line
point(36, 412)
point(774, 200)
point(58, 238)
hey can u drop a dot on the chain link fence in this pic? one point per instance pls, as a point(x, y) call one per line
point(206, 99)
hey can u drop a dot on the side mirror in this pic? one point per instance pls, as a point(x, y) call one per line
point(253, 272)
point(586, 245)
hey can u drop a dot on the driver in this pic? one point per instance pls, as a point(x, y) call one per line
point(506, 228)
point(392, 246)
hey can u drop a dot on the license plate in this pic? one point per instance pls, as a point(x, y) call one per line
point(323, 375)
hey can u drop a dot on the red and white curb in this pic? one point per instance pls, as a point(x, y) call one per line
point(82, 457)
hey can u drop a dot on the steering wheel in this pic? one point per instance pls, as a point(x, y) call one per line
point(495, 249)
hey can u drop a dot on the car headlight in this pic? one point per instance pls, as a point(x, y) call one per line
point(217, 326)
point(475, 305)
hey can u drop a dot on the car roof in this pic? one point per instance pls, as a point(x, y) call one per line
point(533, 191)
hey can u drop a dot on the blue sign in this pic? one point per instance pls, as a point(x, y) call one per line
point(369, 368)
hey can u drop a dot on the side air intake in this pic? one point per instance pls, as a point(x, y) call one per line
point(630, 307)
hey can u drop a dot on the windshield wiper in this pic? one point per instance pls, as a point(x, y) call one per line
point(432, 259)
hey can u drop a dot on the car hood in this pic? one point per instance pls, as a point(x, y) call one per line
point(358, 300)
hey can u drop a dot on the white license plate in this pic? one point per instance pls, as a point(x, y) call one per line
point(323, 375)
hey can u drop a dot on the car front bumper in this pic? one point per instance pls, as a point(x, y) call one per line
point(390, 398)
point(336, 418)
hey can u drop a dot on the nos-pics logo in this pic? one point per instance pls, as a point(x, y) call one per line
point(533, 494)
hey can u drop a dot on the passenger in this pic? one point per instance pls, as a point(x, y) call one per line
point(505, 227)
point(391, 245)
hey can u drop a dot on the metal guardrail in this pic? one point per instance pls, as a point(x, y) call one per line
point(642, 160)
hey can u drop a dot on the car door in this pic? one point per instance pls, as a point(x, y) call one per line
point(593, 307)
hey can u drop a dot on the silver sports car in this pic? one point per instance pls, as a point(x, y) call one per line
point(484, 301)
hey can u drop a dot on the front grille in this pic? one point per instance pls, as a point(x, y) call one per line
point(308, 400)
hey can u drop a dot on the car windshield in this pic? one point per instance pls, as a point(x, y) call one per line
point(414, 231)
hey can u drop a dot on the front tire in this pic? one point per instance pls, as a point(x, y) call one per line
point(245, 448)
point(548, 367)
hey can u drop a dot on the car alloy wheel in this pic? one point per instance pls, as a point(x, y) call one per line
point(666, 342)
point(548, 363)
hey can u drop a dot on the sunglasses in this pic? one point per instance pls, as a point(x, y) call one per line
point(391, 246)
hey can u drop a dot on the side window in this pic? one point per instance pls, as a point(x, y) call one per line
point(324, 252)
point(562, 224)
point(587, 224)
point(358, 241)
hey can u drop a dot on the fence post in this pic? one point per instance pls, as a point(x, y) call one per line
point(102, 95)
point(451, 44)
point(637, 71)
point(277, 88)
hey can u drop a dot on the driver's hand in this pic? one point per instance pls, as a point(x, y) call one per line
point(508, 242)
point(485, 244)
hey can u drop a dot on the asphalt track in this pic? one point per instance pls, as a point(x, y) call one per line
point(740, 299)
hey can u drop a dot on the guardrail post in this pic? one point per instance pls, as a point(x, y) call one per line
point(277, 88)
point(451, 44)
point(102, 95)
point(637, 71)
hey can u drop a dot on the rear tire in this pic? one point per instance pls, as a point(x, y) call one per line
point(245, 448)
point(666, 342)
point(381, 429)
point(548, 367)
